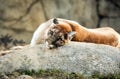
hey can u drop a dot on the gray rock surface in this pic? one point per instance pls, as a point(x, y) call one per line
point(20, 17)
point(113, 22)
point(109, 13)
point(84, 58)
point(109, 8)
point(24, 77)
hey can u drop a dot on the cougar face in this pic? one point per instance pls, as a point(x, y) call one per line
point(58, 35)
point(56, 38)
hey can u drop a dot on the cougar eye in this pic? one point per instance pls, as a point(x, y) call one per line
point(59, 39)
point(65, 36)
point(51, 32)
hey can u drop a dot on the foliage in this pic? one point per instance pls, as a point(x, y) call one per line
point(46, 74)
point(59, 74)
point(6, 41)
point(97, 75)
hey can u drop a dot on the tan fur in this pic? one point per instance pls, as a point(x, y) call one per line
point(105, 35)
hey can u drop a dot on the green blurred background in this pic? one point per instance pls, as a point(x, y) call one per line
point(20, 18)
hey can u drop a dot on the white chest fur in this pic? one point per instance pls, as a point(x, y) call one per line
point(41, 32)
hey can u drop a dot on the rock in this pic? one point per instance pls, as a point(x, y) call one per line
point(21, 18)
point(3, 76)
point(83, 58)
point(24, 35)
point(82, 11)
point(108, 8)
point(24, 77)
point(117, 3)
point(22, 15)
point(113, 22)
point(109, 14)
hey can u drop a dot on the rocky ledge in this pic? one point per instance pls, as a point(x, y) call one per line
point(83, 58)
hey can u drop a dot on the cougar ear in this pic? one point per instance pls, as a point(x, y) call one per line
point(55, 21)
point(71, 35)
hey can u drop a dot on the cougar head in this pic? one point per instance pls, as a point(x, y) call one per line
point(60, 34)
